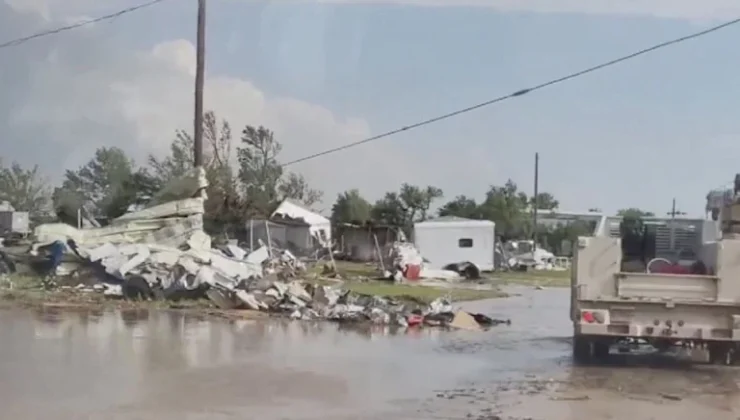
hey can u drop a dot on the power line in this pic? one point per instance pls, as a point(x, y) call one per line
point(18, 41)
point(518, 92)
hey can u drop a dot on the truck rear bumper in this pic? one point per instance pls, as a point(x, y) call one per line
point(659, 322)
point(662, 332)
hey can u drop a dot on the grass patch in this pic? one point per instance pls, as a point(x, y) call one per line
point(29, 291)
point(21, 282)
point(352, 271)
point(66, 299)
point(349, 269)
point(533, 278)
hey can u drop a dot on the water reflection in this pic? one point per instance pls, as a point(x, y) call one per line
point(139, 364)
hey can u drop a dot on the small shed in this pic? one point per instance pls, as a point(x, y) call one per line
point(13, 222)
point(450, 239)
point(319, 226)
point(360, 242)
point(293, 235)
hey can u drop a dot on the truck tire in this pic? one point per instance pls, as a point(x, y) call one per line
point(582, 349)
point(601, 349)
point(720, 354)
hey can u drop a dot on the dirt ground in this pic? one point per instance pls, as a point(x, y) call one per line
point(149, 364)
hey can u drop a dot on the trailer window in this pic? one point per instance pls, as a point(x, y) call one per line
point(465, 243)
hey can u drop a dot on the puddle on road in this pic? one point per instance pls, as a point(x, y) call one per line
point(160, 365)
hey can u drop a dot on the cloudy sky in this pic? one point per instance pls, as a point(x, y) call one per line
point(324, 73)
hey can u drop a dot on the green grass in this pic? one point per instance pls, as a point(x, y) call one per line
point(21, 282)
point(350, 270)
point(534, 278)
point(25, 290)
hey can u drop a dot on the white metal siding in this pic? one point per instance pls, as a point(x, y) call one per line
point(439, 243)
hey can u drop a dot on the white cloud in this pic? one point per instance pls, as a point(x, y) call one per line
point(75, 92)
point(680, 9)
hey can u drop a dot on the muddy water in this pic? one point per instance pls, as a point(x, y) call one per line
point(160, 365)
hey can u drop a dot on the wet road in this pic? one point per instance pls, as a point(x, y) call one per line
point(163, 365)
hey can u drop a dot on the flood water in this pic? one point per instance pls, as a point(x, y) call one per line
point(164, 365)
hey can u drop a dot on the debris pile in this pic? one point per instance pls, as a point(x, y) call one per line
point(407, 263)
point(304, 301)
point(522, 255)
point(162, 252)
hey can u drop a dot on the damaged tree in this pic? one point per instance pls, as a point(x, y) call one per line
point(25, 190)
point(411, 204)
point(264, 182)
point(224, 205)
point(108, 182)
point(351, 207)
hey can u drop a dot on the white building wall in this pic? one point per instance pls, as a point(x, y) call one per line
point(451, 241)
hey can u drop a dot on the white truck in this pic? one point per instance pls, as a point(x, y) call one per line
point(682, 286)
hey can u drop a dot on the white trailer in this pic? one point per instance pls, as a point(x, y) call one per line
point(450, 240)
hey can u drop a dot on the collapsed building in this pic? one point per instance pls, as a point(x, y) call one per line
point(162, 252)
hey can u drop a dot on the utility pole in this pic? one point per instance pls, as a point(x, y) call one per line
point(200, 65)
point(673, 213)
point(536, 200)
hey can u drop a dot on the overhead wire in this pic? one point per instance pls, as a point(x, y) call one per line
point(521, 92)
point(517, 93)
point(22, 40)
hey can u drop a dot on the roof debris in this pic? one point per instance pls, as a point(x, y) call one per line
point(162, 252)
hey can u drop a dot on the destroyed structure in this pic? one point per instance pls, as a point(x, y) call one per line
point(162, 252)
point(365, 242)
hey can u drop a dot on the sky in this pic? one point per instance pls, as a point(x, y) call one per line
point(324, 73)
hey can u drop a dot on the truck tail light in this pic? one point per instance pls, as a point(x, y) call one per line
point(595, 316)
point(588, 317)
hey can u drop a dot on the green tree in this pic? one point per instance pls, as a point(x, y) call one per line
point(566, 233)
point(545, 201)
point(411, 204)
point(108, 183)
point(259, 170)
point(462, 206)
point(508, 208)
point(224, 205)
point(351, 207)
point(296, 187)
point(634, 212)
point(25, 189)
point(390, 210)
point(262, 177)
point(180, 159)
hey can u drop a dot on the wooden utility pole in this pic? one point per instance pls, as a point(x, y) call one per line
point(200, 65)
point(536, 199)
